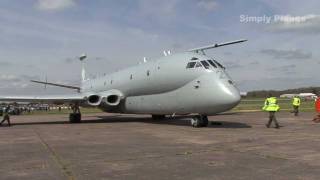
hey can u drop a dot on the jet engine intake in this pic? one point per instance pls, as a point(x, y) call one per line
point(112, 100)
point(94, 100)
point(106, 99)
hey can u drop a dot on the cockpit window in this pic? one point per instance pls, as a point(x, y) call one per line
point(194, 58)
point(205, 64)
point(198, 64)
point(191, 64)
point(212, 63)
point(219, 64)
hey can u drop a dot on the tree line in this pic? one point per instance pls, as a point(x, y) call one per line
point(266, 93)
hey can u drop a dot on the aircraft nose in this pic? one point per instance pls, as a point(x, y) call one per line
point(231, 95)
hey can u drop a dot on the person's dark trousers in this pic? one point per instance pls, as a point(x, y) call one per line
point(6, 118)
point(272, 117)
point(296, 110)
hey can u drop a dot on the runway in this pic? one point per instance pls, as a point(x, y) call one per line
point(109, 146)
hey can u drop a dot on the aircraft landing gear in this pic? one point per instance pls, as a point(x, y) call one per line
point(75, 116)
point(199, 121)
point(158, 117)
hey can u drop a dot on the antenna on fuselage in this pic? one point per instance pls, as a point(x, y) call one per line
point(83, 71)
point(167, 53)
point(202, 49)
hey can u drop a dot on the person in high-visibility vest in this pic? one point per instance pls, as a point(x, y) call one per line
point(271, 106)
point(296, 104)
point(6, 116)
point(317, 106)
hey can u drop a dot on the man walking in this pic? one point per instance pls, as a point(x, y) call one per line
point(271, 106)
point(296, 104)
point(6, 116)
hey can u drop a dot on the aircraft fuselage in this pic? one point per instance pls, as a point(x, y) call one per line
point(169, 85)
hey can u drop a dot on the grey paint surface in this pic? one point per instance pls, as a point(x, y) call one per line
point(164, 86)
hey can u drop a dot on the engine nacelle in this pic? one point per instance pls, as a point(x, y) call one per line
point(107, 98)
point(94, 100)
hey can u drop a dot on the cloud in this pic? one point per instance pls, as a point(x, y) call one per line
point(300, 24)
point(232, 65)
point(5, 64)
point(287, 69)
point(163, 11)
point(254, 63)
point(54, 5)
point(9, 77)
point(208, 5)
point(286, 54)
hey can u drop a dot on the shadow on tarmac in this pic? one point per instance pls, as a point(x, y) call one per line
point(177, 121)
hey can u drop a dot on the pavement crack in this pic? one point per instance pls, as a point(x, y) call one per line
point(55, 156)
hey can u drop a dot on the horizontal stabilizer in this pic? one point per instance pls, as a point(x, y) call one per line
point(201, 49)
point(55, 84)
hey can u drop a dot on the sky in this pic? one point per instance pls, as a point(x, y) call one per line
point(41, 39)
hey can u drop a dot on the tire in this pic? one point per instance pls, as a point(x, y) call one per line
point(158, 117)
point(74, 117)
point(205, 121)
point(196, 121)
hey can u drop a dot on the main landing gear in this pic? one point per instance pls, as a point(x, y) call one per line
point(199, 121)
point(75, 116)
point(158, 117)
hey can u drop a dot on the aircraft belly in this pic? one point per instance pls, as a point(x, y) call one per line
point(203, 96)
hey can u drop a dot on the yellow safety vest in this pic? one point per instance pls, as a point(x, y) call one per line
point(270, 104)
point(296, 101)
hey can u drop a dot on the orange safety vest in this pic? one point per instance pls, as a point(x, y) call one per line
point(317, 105)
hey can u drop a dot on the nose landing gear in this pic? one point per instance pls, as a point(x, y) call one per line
point(199, 121)
point(75, 116)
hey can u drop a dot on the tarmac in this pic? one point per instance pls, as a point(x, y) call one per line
point(110, 146)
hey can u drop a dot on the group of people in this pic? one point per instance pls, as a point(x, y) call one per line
point(271, 106)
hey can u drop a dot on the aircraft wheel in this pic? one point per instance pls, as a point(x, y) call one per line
point(199, 121)
point(205, 121)
point(196, 121)
point(75, 118)
point(158, 117)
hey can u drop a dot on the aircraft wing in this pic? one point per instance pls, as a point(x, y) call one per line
point(45, 98)
point(202, 49)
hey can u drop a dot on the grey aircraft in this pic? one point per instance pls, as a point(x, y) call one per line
point(188, 83)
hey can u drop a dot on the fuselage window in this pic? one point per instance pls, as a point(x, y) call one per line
point(105, 83)
point(111, 81)
point(194, 58)
point(131, 76)
point(148, 73)
point(205, 64)
point(191, 64)
point(198, 64)
point(219, 64)
point(212, 63)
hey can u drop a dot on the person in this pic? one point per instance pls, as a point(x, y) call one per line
point(271, 106)
point(316, 119)
point(6, 116)
point(296, 104)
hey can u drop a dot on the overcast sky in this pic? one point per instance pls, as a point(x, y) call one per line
point(42, 38)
